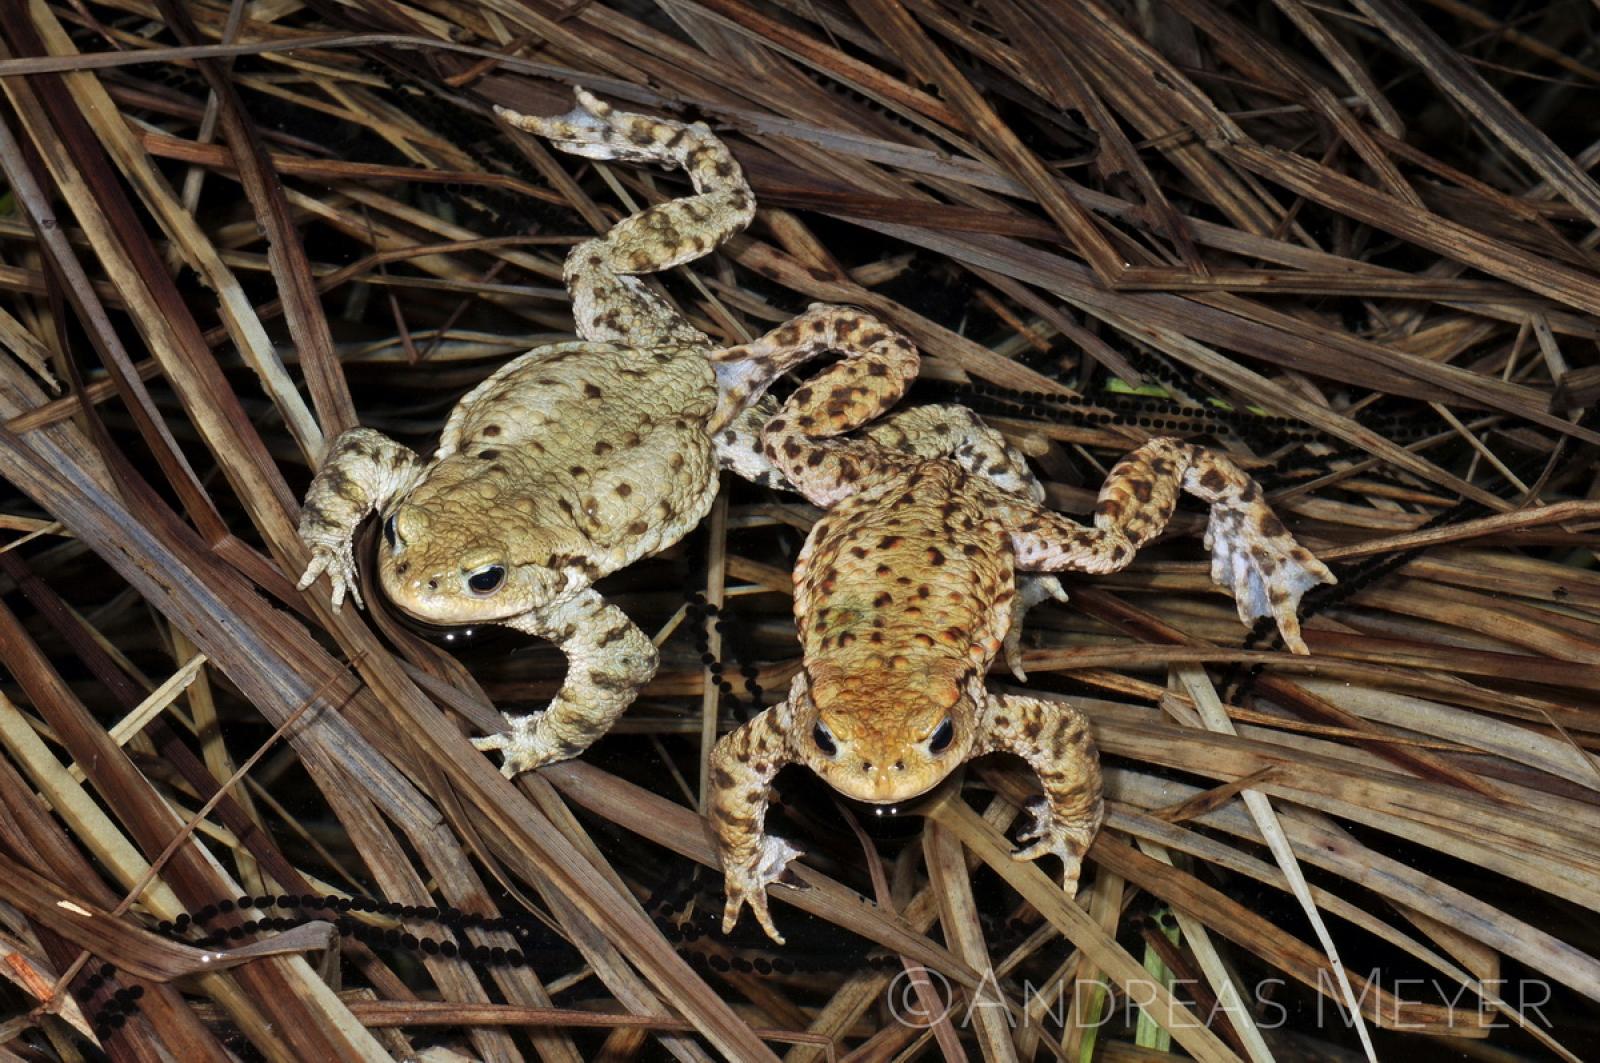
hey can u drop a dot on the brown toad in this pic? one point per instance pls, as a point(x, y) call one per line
point(577, 459)
point(907, 589)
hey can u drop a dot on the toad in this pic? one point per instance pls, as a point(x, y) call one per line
point(577, 459)
point(908, 587)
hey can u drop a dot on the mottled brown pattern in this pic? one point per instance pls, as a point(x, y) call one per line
point(573, 460)
point(894, 663)
point(891, 697)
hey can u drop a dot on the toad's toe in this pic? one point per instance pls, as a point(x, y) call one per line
point(1266, 570)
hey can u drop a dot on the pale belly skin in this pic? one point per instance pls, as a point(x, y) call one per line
point(912, 584)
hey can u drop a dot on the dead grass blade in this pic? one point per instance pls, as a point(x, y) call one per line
point(1047, 897)
point(1266, 820)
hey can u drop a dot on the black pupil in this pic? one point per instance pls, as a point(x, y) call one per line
point(389, 533)
point(487, 580)
point(941, 737)
point(824, 740)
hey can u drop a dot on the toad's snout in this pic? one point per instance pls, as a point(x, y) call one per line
point(880, 781)
point(403, 584)
point(883, 775)
point(421, 592)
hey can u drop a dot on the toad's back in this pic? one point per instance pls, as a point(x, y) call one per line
point(898, 577)
point(603, 439)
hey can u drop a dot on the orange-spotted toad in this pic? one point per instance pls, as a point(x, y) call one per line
point(908, 588)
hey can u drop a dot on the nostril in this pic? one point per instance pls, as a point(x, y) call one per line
point(866, 765)
point(433, 585)
point(899, 765)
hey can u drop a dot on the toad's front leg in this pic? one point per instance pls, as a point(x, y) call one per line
point(1054, 739)
point(363, 471)
point(608, 660)
point(743, 764)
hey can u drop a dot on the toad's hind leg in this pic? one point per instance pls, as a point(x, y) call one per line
point(878, 365)
point(955, 432)
point(738, 445)
point(608, 301)
point(1252, 553)
point(939, 431)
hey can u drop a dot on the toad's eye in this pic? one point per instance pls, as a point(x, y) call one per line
point(390, 534)
point(487, 579)
point(942, 736)
point(824, 739)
